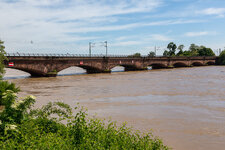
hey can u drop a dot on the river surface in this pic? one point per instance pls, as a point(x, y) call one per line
point(185, 107)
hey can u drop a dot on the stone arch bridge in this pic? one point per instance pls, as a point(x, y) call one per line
point(49, 66)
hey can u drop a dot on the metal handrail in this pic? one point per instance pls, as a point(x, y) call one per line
point(87, 55)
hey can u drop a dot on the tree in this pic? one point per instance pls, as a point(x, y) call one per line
point(203, 51)
point(135, 55)
point(166, 53)
point(187, 53)
point(222, 58)
point(172, 48)
point(194, 49)
point(180, 47)
point(151, 54)
point(2, 58)
point(180, 53)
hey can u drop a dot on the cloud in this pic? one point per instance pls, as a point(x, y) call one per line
point(159, 37)
point(213, 11)
point(194, 34)
point(52, 21)
point(127, 43)
point(71, 24)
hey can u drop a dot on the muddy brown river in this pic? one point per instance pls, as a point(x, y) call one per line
point(185, 107)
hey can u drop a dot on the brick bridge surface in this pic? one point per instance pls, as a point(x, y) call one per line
point(46, 66)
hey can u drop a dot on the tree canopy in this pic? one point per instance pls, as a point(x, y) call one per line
point(194, 50)
point(135, 55)
point(203, 51)
point(172, 48)
point(151, 54)
point(180, 48)
point(222, 58)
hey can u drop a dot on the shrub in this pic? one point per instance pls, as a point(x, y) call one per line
point(54, 127)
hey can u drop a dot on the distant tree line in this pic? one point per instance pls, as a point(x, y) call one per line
point(136, 55)
point(174, 50)
point(194, 50)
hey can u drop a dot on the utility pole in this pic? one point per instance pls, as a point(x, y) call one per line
point(89, 49)
point(156, 48)
point(106, 48)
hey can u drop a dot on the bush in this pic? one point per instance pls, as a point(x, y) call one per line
point(54, 127)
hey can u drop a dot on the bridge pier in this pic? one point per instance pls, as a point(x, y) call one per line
point(134, 69)
point(43, 75)
point(97, 71)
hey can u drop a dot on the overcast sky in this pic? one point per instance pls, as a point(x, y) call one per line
point(129, 26)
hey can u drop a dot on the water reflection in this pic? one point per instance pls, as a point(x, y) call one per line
point(15, 74)
point(72, 71)
point(118, 69)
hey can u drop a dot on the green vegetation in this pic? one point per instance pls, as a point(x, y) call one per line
point(2, 58)
point(180, 48)
point(24, 128)
point(55, 127)
point(221, 60)
point(172, 49)
point(151, 54)
point(194, 50)
point(137, 55)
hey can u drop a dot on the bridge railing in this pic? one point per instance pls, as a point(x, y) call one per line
point(94, 55)
point(63, 55)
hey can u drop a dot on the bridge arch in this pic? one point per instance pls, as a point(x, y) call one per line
point(11, 73)
point(73, 70)
point(197, 64)
point(89, 69)
point(117, 69)
point(32, 72)
point(127, 67)
point(180, 64)
point(157, 66)
point(210, 63)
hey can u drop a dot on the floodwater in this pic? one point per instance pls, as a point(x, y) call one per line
point(185, 106)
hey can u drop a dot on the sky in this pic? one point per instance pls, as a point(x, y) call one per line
point(128, 26)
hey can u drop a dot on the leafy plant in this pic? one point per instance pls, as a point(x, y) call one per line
point(2, 58)
point(54, 127)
